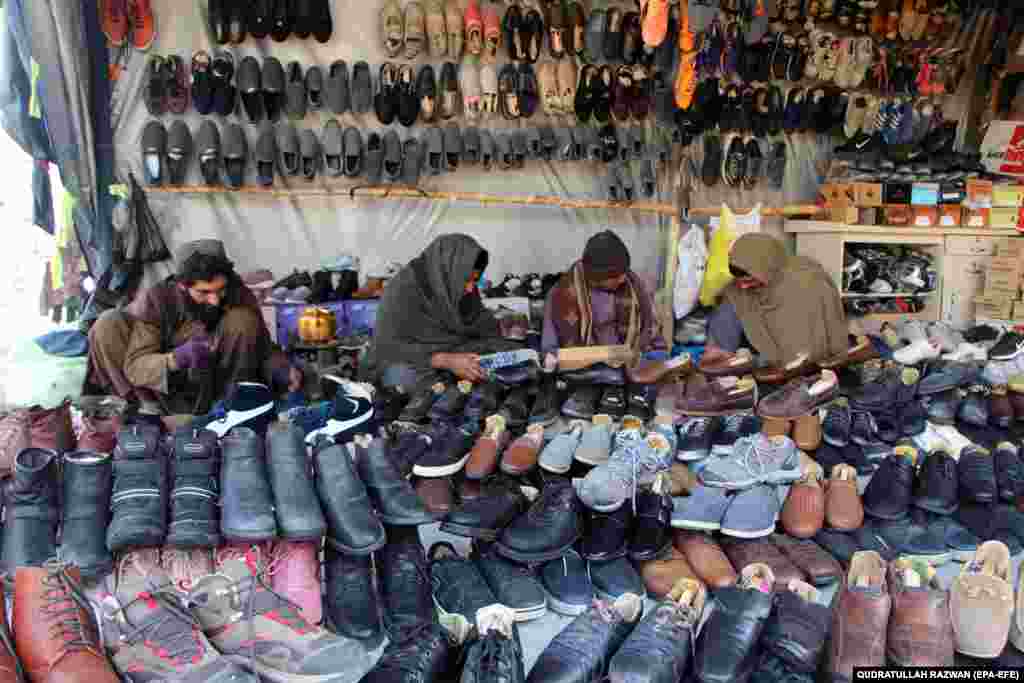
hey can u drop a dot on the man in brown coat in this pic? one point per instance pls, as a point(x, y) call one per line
point(181, 343)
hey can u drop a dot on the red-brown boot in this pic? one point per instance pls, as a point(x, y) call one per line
point(53, 628)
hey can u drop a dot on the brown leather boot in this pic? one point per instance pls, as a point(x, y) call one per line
point(51, 427)
point(53, 628)
point(10, 667)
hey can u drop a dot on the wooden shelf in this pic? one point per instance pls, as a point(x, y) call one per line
point(798, 227)
point(894, 295)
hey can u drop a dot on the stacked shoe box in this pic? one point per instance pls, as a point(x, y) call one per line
point(1000, 299)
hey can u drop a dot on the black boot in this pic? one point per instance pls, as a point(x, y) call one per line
point(195, 494)
point(392, 495)
point(351, 598)
point(546, 406)
point(348, 282)
point(652, 526)
point(299, 517)
point(405, 582)
point(88, 478)
point(138, 502)
point(30, 537)
point(352, 526)
point(247, 507)
point(323, 288)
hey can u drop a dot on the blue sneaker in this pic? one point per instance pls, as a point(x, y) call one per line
point(352, 410)
point(568, 584)
point(248, 404)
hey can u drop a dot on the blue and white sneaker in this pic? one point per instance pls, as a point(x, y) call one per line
point(248, 404)
point(350, 415)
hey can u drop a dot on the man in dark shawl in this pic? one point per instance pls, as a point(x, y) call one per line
point(431, 318)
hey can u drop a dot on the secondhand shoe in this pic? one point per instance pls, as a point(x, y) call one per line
point(897, 386)
point(920, 629)
point(757, 459)
point(726, 364)
point(392, 495)
point(719, 397)
point(486, 516)
point(87, 481)
point(350, 598)
point(483, 459)
point(860, 619)
point(496, 655)
point(935, 489)
point(659, 371)
point(423, 653)
point(820, 567)
point(547, 529)
point(844, 510)
point(981, 602)
point(139, 498)
point(977, 475)
point(743, 552)
point(706, 557)
point(891, 489)
point(247, 503)
point(404, 580)
point(803, 513)
point(296, 506)
point(797, 630)
point(514, 584)
point(800, 396)
point(456, 582)
point(248, 404)
point(606, 534)
point(634, 464)
point(352, 526)
point(570, 591)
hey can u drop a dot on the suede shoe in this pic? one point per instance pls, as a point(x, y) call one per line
point(352, 526)
point(860, 618)
point(350, 599)
point(977, 475)
point(550, 526)
point(457, 584)
point(582, 650)
point(798, 627)
point(719, 397)
point(920, 631)
point(568, 585)
point(936, 487)
point(299, 517)
point(485, 517)
point(195, 495)
point(727, 648)
point(606, 534)
point(557, 455)
point(520, 457)
point(891, 489)
point(404, 579)
point(138, 501)
point(514, 585)
point(391, 494)
point(752, 513)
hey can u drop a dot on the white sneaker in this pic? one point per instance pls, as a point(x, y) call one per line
point(945, 336)
point(880, 286)
point(918, 351)
point(957, 441)
point(914, 330)
point(930, 439)
point(966, 351)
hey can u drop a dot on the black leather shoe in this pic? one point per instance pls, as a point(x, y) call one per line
point(606, 534)
point(977, 475)
point(391, 494)
point(419, 405)
point(659, 648)
point(247, 503)
point(796, 631)
point(218, 17)
point(138, 502)
point(30, 534)
point(450, 404)
point(195, 490)
point(259, 18)
point(236, 20)
point(580, 653)
point(421, 654)
point(496, 656)
point(299, 517)
point(514, 584)
point(516, 408)
point(486, 516)
point(651, 530)
point(404, 582)
point(483, 402)
point(352, 526)
point(1009, 472)
point(88, 478)
point(351, 598)
point(936, 486)
point(547, 529)
point(597, 374)
point(891, 488)
point(727, 648)
point(547, 403)
point(516, 375)
point(456, 582)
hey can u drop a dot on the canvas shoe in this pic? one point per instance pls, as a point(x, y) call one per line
point(752, 513)
point(557, 456)
point(702, 510)
point(755, 459)
point(606, 487)
point(249, 404)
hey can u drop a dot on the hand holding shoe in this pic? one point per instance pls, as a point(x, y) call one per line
point(197, 352)
point(463, 365)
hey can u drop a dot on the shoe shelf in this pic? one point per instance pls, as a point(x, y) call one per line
point(894, 295)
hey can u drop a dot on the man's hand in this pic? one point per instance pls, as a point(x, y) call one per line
point(198, 352)
point(463, 365)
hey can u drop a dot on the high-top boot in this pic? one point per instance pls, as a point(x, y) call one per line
point(30, 536)
point(102, 419)
point(351, 598)
point(299, 517)
point(88, 479)
point(139, 499)
point(51, 428)
point(247, 507)
point(195, 494)
point(352, 526)
point(392, 494)
point(11, 670)
point(348, 283)
point(323, 288)
point(53, 629)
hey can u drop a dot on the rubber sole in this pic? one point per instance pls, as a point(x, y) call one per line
point(834, 443)
point(469, 531)
point(441, 470)
point(692, 456)
point(744, 533)
point(548, 468)
point(268, 674)
point(771, 480)
point(695, 525)
point(532, 558)
point(935, 560)
point(590, 461)
point(567, 609)
point(531, 613)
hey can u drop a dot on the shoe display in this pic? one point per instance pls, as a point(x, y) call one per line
point(860, 618)
point(296, 507)
point(550, 526)
point(457, 584)
point(756, 459)
point(981, 602)
point(920, 631)
point(514, 585)
point(727, 648)
point(138, 501)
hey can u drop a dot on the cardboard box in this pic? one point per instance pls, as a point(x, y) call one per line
point(979, 193)
point(1002, 277)
point(924, 194)
point(898, 215)
point(1003, 217)
point(1010, 246)
point(925, 216)
point(1018, 310)
point(896, 193)
point(1007, 195)
point(998, 308)
point(848, 215)
point(869, 215)
point(867, 194)
point(837, 194)
point(976, 218)
point(950, 215)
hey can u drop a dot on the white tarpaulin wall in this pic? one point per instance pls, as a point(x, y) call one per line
point(284, 233)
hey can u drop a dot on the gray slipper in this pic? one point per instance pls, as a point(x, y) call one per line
point(412, 161)
point(236, 151)
point(452, 147)
point(337, 95)
point(548, 143)
point(533, 148)
point(487, 149)
point(295, 92)
point(266, 157)
point(315, 88)
point(433, 143)
point(154, 151)
point(309, 148)
point(594, 37)
point(637, 142)
point(374, 158)
point(361, 88)
point(564, 147)
point(273, 89)
point(503, 145)
point(179, 152)
point(625, 176)
point(250, 90)
point(392, 156)
point(334, 149)
point(208, 152)
point(595, 145)
point(612, 188)
point(288, 149)
point(776, 170)
point(648, 178)
point(625, 144)
point(579, 143)
point(520, 147)
point(353, 152)
point(471, 145)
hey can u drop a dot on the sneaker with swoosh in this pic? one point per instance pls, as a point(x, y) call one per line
point(352, 411)
point(248, 404)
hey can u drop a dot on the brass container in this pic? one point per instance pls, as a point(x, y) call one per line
point(317, 325)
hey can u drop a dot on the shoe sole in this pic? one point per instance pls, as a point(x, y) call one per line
point(469, 531)
point(267, 673)
point(565, 608)
point(741, 533)
point(691, 456)
point(441, 470)
point(531, 613)
point(937, 559)
point(1010, 357)
point(834, 442)
point(772, 480)
point(593, 462)
point(610, 597)
point(554, 470)
point(531, 558)
point(935, 508)
point(335, 427)
point(695, 525)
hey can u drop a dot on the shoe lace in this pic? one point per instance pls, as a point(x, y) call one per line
point(175, 633)
point(407, 654)
point(756, 454)
point(64, 604)
point(634, 463)
point(186, 566)
point(731, 425)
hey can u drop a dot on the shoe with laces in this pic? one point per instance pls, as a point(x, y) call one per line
point(295, 574)
point(423, 653)
point(607, 487)
point(351, 413)
point(551, 525)
point(1009, 472)
point(837, 425)
point(936, 487)
point(696, 437)
point(248, 404)
point(185, 566)
point(1009, 346)
point(457, 584)
point(272, 636)
point(734, 427)
point(756, 459)
point(977, 475)
point(496, 656)
point(891, 489)
point(514, 584)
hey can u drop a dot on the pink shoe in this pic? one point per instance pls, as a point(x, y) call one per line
point(295, 574)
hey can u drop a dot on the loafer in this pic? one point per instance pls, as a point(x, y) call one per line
point(374, 158)
point(434, 140)
point(154, 152)
point(818, 565)
point(353, 152)
point(452, 147)
point(235, 155)
point(179, 153)
point(392, 164)
point(385, 102)
point(334, 149)
point(265, 157)
point(295, 92)
point(314, 88)
point(208, 152)
point(273, 89)
point(361, 88)
point(412, 161)
point(337, 87)
point(290, 159)
point(426, 93)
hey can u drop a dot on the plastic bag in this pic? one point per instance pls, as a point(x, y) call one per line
point(693, 261)
point(717, 275)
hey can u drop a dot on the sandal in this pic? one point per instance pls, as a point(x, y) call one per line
point(474, 29)
point(454, 27)
point(508, 92)
point(555, 17)
point(512, 26)
point(492, 32)
point(392, 28)
point(415, 31)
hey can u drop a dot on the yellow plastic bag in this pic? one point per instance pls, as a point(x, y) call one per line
point(717, 275)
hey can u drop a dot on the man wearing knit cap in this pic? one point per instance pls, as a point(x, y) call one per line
point(181, 343)
point(600, 301)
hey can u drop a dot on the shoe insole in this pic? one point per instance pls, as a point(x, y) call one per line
point(333, 164)
point(154, 167)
